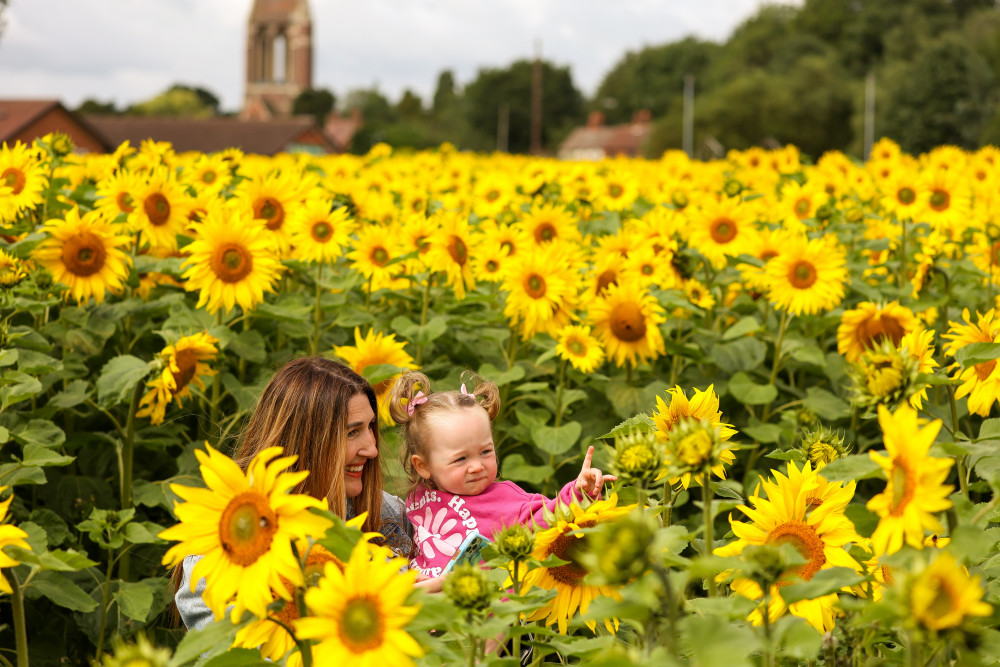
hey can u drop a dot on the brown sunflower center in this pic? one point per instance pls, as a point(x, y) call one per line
point(492, 196)
point(902, 482)
point(568, 548)
point(231, 262)
point(723, 230)
point(768, 254)
point(534, 286)
point(887, 574)
point(985, 369)
point(647, 269)
point(379, 256)
point(906, 196)
point(458, 250)
point(157, 208)
point(545, 232)
point(940, 200)
point(802, 275)
point(628, 323)
point(878, 329)
point(125, 201)
point(14, 179)
point(321, 231)
point(509, 247)
point(615, 191)
point(803, 537)
point(609, 277)
point(945, 599)
point(492, 266)
point(577, 347)
point(83, 254)
point(187, 364)
point(246, 528)
point(361, 626)
point(802, 207)
point(270, 210)
point(209, 177)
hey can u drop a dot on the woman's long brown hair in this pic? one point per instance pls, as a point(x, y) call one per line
point(304, 410)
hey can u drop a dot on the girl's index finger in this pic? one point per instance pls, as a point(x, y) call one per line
point(588, 458)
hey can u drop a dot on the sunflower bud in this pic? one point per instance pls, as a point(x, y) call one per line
point(60, 144)
point(732, 187)
point(767, 564)
point(43, 279)
point(140, 654)
point(468, 587)
point(887, 376)
point(679, 199)
point(12, 271)
point(637, 457)
point(824, 212)
point(694, 444)
point(515, 542)
point(620, 550)
point(823, 446)
point(854, 214)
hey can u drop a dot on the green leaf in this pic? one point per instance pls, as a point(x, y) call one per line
point(823, 583)
point(8, 357)
point(973, 544)
point(135, 598)
point(42, 457)
point(56, 529)
point(404, 326)
point(851, 468)
point(65, 561)
point(431, 331)
point(285, 312)
point(248, 345)
point(151, 494)
point(825, 404)
point(501, 378)
point(211, 641)
point(641, 422)
point(747, 391)
point(17, 387)
point(977, 353)
point(381, 372)
point(556, 440)
point(763, 433)
point(798, 639)
point(809, 354)
point(240, 657)
point(246, 397)
point(745, 326)
point(990, 428)
point(41, 432)
point(62, 591)
point(143, 533)
point(75, 393)
point(118, 378)
point(744, 354)
point(715, 644)
point(36, 363)
point(515, 468)
point(349, 317)
point(12, 474)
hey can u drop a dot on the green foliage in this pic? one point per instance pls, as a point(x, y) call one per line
point(315, 102)
point(178, 100)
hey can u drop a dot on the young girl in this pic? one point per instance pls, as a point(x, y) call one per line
point(452, 465)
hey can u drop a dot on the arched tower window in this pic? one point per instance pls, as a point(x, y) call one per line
point(280, 63)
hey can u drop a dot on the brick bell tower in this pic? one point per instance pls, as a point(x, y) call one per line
point(279, 57)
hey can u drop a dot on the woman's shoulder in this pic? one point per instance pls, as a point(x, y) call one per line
point(392, 506)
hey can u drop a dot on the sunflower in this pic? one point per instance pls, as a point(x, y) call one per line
point(914, 488)
point(980, 382)
point(161, 209)
point(946, 201)
point(12, 270)
point(86, 254)
point(490, 262)
point(576, 345)
point(272, 198)
point(492, 193)
point(919, 343)
point(702, 406)
point(209, 174)
point(806, 511)
point(765, 245)
point(23, 174)
point(371, 255)
point(317, 233)
point(359, 615)
point(375, 349)
point(616, 190)
point(564, 541)
point(862, 328)
point(9, 536)
point(626, 320)
point(182, 368)
point(720, 228)
point(800, 202)
point(547, 223)
point(808, 277)
point(541, 288)
point(231, 261)
point(602, 273)
point(243, 525)
point(943, 594)
point(452, 247)
point(116, 193)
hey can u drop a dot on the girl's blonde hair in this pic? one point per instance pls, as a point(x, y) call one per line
point(415, 427)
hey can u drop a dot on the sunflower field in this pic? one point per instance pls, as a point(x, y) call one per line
point(790, 366)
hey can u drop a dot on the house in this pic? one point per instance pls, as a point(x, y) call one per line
point(596, 141)
point(208, 135)
point(27, 120)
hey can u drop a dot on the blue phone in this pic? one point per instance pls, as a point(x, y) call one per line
point(470, 551)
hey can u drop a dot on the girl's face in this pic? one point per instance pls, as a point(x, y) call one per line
point(461, 457)
point(361, 449)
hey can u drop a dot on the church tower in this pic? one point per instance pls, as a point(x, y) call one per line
point(279, 57)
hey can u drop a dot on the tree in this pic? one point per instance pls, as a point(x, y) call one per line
point(92, 106)
point(410, 105)
point(444, 95)
point(315, 102)
point(374, 106)
point(510, 88)
point(178, 100)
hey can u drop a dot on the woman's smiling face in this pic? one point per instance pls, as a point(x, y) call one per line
point(360, 445)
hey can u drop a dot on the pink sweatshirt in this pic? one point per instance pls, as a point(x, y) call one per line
point(442, 520)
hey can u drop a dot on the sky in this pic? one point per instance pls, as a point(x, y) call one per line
point(127, 51)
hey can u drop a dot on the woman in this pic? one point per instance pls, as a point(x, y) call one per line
point(326, 414)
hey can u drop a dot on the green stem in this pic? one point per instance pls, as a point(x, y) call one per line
point(963, 481)
point(126, 464)
point(668, 502)
point(423, 316)
point(766, 615)
point(317, 311)
point(777, 358)
point(213, 410)
point(986, 510)
point(559, 392)
point(902, 253)
point(473, 647)
point(709, 527)
point(516, 578)
point(20, 628)
point(105, 594)
point(668, 599)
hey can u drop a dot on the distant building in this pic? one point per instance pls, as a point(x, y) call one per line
point(596, 141)
point(27, 120)
point(279, 58)
point(208, 135)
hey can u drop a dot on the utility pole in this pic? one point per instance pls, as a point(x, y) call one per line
point(536, 101)
point(687, 140)
point(503, 125)
point(869, 114)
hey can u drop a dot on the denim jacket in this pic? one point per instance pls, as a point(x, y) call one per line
point(396, 530)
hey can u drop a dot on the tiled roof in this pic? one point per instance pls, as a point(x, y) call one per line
point(212, 134)
point(15, 115)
